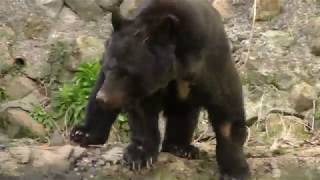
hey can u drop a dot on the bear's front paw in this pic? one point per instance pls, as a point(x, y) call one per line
point(82, 136)
point(236, 170)
point(186, 151)
point(137, 157)
point(227, 177)
point(79, 135)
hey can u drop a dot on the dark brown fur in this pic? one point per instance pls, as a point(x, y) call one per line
point(171, 56)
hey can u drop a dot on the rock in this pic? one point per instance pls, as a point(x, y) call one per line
point(77, 153)
point(87, 49)
point(224, 7)
point(302, 96)
point(35, 56)
point(27, 103)
point(128, 6)
point(284, 80)
point(19, 87)
point(68, 16)
point(56, 139)
point(36, 27)
point(22, 154)
point(19, 123)
point(55, 159)
point(267, 9)
point(6, 61)
point(64, 30)
point(312, 28)
point(86, 9)
point(51, 7)
point(4, 139)
point(108, 4)
point(315, 46)
point(7, 35)
point(114, 155)
point(277, 128)
point(279, 38)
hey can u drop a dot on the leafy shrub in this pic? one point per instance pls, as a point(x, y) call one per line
point(71, 99)
point(3, 95)
point(41, 116)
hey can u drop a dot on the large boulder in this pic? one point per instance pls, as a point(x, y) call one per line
point(19, 87)
point(51, 7)
point(128, 6)
point(18, 123)
point(224, 7)
point(108, 4)
point(267, 9)
point(86, 9)
point(87, 49)
point(303, 96)
point(315, 46)
point(6, 61)
point(34, 55)
point(279, 38)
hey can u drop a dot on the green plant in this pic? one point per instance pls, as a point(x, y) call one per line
point(3, 95)
point(71, 99)
point(40, 115)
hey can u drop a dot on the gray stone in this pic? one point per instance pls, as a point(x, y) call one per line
point(66, 27)
point(4, 139)
point(35, 55)
point(56, 139)
point(113, 155)
point(27, 103)
point(315, 46)
point(19, 123)
point(128, 6)
point(285, 80)
point(51, 7)
point(86, 9)
point(302, 96)
point(36, 27)
point(6, 61)
point(267, 9)
point(87, 49)
point(224, 7)
point(108, 4)
point(312, 28)
point(7, 35)
point(23, 154)
point(19, 87)
point(279, 38)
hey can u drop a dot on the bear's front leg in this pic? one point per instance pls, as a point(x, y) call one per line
point(145, 136)
point(98, 121)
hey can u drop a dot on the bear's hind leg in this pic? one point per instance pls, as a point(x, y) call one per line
point(182, 119)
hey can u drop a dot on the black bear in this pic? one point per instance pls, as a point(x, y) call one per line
point(171, 56)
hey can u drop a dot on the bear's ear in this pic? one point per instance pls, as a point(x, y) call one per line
point(165, 28)
point(117, 20)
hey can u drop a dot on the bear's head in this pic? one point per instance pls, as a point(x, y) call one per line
point(139, 58)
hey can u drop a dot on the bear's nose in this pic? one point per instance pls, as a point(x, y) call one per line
point(113, 100)
point(102, 96)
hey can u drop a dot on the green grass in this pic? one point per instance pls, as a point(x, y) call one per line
point(43, 117)
point(70, 101)
point(3, 95)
